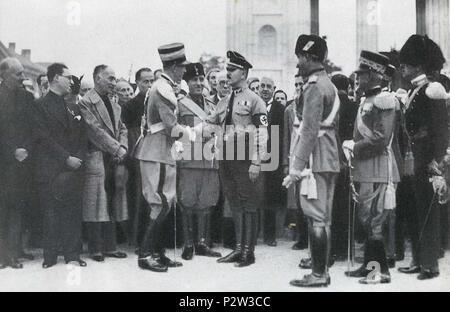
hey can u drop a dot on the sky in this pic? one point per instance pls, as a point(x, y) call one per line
point(126, 34)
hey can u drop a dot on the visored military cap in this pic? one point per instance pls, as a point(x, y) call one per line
point(371, 61)
point(173, 52)
point(193, 70)
point(313, 45)
point(237, 60)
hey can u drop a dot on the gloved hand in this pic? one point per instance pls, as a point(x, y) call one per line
point(294, 176)
point(253, 172)
point(439, 185)
point(347, 147)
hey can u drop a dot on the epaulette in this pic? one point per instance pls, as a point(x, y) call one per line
point(436, 91)
point(166, 91)
point(384, 101)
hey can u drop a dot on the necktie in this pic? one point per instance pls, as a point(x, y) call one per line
point(228, 118)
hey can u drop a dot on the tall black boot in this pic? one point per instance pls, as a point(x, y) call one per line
point(146, 259)
point(228, 233)
point(238, 218)
point(301, 227)
point(188, 233)
point(202, 248)
point(319, 249)
point(159, 251)
point(380, 263)
point(248, 255)
point(362, 271)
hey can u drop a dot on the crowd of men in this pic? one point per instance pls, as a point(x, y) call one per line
point(232, 155)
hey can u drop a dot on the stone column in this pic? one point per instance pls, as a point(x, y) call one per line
point(367, 19)
point(315, 17)
point(433, 19)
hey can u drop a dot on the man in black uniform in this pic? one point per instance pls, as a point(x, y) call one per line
point(426, 133)
point(243, 116)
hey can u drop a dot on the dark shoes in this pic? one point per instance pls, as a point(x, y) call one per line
point(377, 278)
point(101, 257)
point(360, 272)
point(98, 257)
point(427, 274)
point(271, 243)
point(300, 245)
point(203, 250)
point(305, 263)
point(151, 264)
point(247, 258)
point(116, 254)
point(311, 280)
point(48, 264)
point(188, 253)
point(410, 270)
point(165, 261)
point(231, 257)
point(80, 262)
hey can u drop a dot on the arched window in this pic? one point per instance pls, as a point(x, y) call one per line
point(267, 42)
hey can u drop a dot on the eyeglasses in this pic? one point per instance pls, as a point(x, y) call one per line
point(255, 88)
point(224, 83)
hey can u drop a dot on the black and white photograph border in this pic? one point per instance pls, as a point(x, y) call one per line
point(262, 40)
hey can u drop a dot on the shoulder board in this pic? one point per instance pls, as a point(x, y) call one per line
point(384, 101)
point(436, 91)
point(166, 91)
point(313, 79)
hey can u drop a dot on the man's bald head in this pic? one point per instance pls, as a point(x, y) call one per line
point(11, 72)
point(266, 89)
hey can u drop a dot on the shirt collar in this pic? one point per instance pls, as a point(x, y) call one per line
point(316, 70)
point(419, 80)
point(373, 91)
point(165, 76)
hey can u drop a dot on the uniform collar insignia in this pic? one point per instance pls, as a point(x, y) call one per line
point(419, 80)
point(237, 91)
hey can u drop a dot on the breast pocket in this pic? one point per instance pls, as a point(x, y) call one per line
point(242, 115)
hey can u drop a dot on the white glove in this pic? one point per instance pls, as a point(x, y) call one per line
point(401, 95)
point(178, 147)
point(439, 185)
point(347, 147)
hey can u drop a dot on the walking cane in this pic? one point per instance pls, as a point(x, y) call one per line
point(426, 218)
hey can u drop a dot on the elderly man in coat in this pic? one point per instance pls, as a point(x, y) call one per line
point(15, 141)
point(104, 195)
